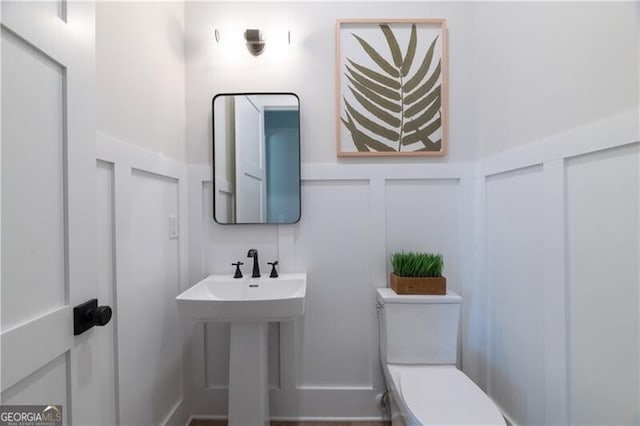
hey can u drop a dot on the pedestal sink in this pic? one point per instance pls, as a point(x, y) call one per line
point(249, 304)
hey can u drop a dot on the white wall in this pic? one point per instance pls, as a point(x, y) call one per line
point(307, 67)
point(140, 74)
point(542, 68)
point(353, 212)
point(558, 131)
point(141, 183)
point(522, 326)
point(560, 268)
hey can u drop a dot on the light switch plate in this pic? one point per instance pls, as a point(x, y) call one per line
point(173, 227)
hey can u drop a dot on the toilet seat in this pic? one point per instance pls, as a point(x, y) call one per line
point(444, 395)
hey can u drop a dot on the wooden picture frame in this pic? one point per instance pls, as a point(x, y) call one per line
point(391, 87)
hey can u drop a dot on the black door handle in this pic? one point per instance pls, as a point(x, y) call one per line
point(88, 314)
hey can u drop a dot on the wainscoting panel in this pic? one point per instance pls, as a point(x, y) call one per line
point(105, 204)
point(329, 365)
point(602, 278)
point(333, 240)
point(216, 355)
point(151, 363)
point(512, 236)
point(428, 223)
point(138, 192)
point(224, 244)
point(558, 256)
point(514, 203)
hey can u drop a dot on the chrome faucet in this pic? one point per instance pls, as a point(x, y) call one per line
point(256, 266)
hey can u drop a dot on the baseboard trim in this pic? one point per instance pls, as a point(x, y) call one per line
point(203, 417)
point(329, 419)
point(178, 415)
point(295, 419)
point(507, 417)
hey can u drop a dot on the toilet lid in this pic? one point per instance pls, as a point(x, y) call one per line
point(444, 395)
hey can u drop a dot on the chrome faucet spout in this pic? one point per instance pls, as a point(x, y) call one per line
point(256, 266)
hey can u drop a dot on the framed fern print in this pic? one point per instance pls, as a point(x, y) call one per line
point(391, 87)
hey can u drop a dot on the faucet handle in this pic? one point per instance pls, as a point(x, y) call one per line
point(274, 273)
point(238, 273)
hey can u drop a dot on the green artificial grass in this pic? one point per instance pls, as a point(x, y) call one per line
point(414, 264)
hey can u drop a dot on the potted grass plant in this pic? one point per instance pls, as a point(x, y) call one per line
point(418, 273)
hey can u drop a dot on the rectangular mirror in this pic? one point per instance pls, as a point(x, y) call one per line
point(256, 158)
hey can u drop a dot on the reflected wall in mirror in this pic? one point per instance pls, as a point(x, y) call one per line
point(256, 158)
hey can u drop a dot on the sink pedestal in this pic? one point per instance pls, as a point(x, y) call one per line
point(248, 374)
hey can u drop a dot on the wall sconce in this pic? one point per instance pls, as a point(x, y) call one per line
point(254, 40)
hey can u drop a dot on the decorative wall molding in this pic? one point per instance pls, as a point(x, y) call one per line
point(358, 171)
point(386, 171)
point(298, 399)
point(128, 159)
point(113, 150)
point(609, 132)
point(551, 154)
point(313, 402)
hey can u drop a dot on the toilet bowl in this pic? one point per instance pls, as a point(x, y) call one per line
point(418, 350)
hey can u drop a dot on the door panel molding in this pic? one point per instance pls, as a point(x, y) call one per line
point(30, 346)
point(35, 209)
point(48, 34)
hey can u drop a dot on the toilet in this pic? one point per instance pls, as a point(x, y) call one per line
point(418, 351)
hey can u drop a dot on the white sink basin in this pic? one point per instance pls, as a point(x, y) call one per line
point(223, 298)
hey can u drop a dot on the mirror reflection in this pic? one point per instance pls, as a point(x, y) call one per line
point(256, 158)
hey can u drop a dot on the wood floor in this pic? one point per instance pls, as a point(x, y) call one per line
point(202, 422)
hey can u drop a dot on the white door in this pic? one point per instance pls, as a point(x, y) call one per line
point(251, 178)
point(48, 207)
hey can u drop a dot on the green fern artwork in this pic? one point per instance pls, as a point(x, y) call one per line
point(395, 104)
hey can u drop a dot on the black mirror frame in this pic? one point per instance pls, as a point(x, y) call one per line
point(213, 159)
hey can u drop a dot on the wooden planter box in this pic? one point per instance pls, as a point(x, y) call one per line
point(418, 285)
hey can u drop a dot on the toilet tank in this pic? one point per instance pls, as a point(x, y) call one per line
point(418, 329)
